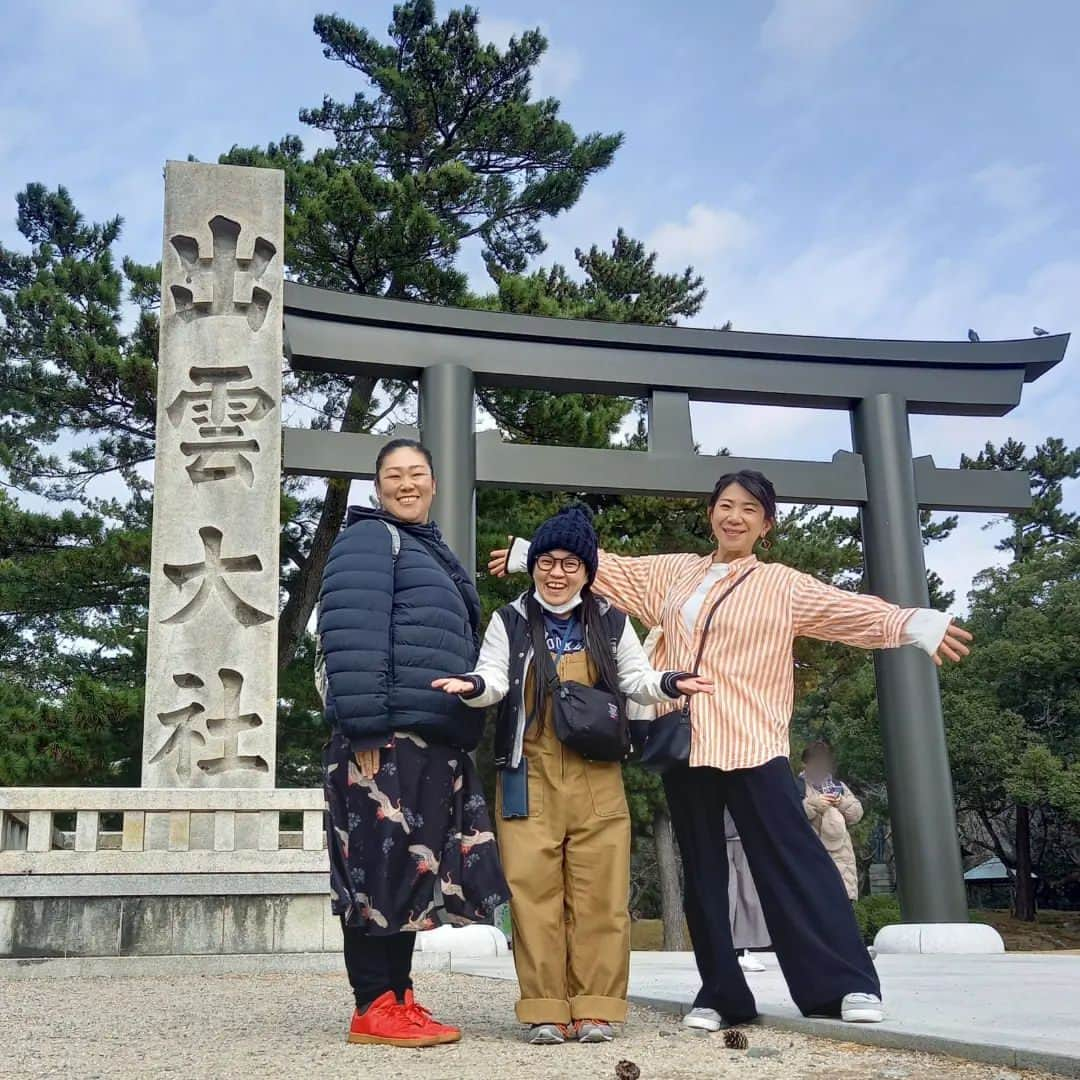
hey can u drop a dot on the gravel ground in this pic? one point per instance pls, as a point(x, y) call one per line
point(271, 1026)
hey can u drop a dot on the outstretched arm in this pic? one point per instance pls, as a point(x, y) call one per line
point(635, 583)
point(642, 683)
point(489, 681)
point(831, 614)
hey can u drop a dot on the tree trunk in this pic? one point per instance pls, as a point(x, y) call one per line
point(670, 890)
point(304, 591)
point(1024, 904)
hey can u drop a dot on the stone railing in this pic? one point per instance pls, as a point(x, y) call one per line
point(122, 831)
point(112, 871)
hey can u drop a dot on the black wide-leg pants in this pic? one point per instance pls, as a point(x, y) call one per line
point(802, 895)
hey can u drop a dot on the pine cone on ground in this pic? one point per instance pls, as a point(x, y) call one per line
point(735, 1040)
point(627, 1070)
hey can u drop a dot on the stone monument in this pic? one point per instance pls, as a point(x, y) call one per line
point(212, 634)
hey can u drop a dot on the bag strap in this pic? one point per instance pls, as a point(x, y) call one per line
point(709, 620)
point(550, 667)
point(395, 540)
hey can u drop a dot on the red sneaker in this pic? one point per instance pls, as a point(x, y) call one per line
point(442, 1033)
point(390, 1023)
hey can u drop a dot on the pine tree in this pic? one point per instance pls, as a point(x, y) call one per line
point(443, 145)
point(77, 409)
point(1033, 532)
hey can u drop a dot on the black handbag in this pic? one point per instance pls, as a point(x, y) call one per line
point(588, 719)
point(668, 741)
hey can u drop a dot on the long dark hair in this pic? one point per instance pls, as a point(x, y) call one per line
point(597, 646)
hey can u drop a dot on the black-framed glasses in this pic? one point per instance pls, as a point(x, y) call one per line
point(570, 564)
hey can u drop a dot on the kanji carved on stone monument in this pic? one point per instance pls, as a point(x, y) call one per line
point(223, 284)
point(227, 727)
point(211, 573)
point(219, 413)
point(183, 735)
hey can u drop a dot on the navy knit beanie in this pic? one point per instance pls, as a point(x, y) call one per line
point(571, 529)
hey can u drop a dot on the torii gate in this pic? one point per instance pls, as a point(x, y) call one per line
point(879, 383)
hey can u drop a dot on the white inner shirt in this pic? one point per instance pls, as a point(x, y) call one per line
point(692, 607)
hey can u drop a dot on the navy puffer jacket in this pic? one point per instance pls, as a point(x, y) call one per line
point(388, 627)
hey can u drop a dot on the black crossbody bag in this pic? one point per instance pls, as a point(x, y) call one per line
point(668, 741)
point(589, 719)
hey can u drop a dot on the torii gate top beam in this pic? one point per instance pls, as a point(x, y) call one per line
point(401, 339)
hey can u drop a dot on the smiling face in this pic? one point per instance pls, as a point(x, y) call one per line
point(559, 576)
point(406, 486)
point(738, 522)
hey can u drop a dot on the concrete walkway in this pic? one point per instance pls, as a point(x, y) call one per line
point(1016, 1009)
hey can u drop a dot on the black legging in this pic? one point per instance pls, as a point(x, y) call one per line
point(377, 963)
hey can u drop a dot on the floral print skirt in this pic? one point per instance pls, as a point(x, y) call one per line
point(413, 847)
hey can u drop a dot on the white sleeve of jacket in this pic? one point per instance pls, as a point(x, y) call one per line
point(492, 665)
point(926, 629)
point(637, 677)
point(517, 559)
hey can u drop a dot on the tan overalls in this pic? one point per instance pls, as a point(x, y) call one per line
point(568, 866)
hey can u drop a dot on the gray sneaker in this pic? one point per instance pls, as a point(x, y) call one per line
point(703, 1020)
point(594, 1031)
point(862, 1009)
point(546, 1034)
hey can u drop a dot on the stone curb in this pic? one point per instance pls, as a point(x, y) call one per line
point(875, 1035)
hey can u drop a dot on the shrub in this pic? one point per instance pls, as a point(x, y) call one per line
point(874, 912)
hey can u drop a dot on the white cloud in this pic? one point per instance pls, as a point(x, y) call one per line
point(813, 29)
point(1015, 192)
point(113, 27)
point(707, 233)
point(1010, 187)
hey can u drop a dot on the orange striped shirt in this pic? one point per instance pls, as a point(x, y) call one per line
point(748, 653)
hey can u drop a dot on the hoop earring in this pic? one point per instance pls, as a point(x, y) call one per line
point(766, 543)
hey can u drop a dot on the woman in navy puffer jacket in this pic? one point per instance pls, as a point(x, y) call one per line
point(408, 832)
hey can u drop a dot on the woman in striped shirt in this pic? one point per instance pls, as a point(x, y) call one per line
point(739, 751)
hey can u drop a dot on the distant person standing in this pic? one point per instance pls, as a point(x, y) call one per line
point(748, 929)
point(831, 808)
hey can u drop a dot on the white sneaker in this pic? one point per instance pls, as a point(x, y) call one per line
point(594, 1031)
point(703, 1020)
point(862, 1009)
point(750, 963)
point(547, 1034)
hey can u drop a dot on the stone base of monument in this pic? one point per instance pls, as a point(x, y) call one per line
point(46, 927)
point(956, 938)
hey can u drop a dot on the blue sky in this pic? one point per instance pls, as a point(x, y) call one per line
point(851, 167)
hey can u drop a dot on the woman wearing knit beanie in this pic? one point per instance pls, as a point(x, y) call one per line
point(564, 826)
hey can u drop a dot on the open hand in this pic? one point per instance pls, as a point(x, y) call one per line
point(454, 686)
point(953, 645)
point(368, 763)
point(497, 560)
point(694, 684)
